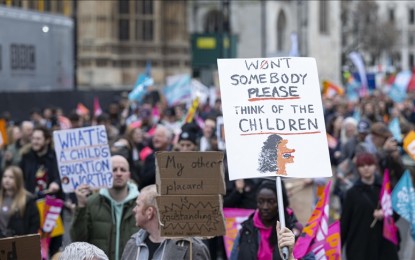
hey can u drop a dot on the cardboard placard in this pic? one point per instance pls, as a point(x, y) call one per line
point(20, 247)
point(189, 216)
point(83, 157)
point(186, 173)
point(273, 118)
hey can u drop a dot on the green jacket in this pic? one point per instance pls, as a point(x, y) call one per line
point(97, 222)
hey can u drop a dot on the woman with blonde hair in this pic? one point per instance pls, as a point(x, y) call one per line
point(18, 211)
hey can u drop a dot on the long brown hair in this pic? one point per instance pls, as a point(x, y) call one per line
point(20, 193)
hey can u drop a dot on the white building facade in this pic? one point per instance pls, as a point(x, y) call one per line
point(265, 29)
point(402, 14)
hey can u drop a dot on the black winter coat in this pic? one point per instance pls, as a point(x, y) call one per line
point(247, 242)
point(29, 223)
point(363, 242)
point(31, 162)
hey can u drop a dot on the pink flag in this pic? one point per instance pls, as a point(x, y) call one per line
point(64, 122)
point(332, 245)
point(97, 107)
point(314, 234)
point(389, 228)
point(234, 217)
point(52, 210)
point(82, 110)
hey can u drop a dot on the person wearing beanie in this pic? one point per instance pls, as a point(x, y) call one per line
point(187, 142)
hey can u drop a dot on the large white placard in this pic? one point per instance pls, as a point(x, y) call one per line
point(83, 157)
point(273, 118)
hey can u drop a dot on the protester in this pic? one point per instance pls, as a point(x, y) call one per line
point(385, 147)
point(19, 214)
point(161, 141)
point(40, 173)
point(82, 251)
point(13, 154)
point(362, 218)
point(148, 244)
point(39, 165)
point(187, 142)
point(112, 131)
point(242, 193)
point(257, 238)
point(208, 133)
point(105, 219)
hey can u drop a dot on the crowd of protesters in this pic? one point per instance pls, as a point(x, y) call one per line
point(362, 144)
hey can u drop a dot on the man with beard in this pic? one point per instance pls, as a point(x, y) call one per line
point(39, 165)
point(105, 219)
point(40, 172)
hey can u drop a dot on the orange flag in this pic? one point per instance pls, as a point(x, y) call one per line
point(82, 110)
point(330, 89)
point(3, 133)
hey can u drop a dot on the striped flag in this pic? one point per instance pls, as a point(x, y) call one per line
point(389, 228)
point(317, 236)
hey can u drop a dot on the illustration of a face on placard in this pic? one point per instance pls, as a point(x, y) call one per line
point(275, 155)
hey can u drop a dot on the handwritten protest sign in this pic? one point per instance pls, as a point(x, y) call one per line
point(190, 184)
point(20, 247)
point(83, 157)
point(187, 216)
point(189, 173)
point(273, 118)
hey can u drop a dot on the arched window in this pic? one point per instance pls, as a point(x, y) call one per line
point(281, 31)
point(213, 21)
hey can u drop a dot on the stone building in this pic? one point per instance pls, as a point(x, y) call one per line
point(116, 39)
point(267, 28)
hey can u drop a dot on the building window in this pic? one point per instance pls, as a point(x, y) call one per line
point(32, 5)
point(124, 29)
point(136, 20)
point(102, 62)
point(213, 21)
point(410, 39)
point(391, 15)
point(324, 17)
point(123, 7)
point(411, 16)
point(144, 29)
point(59, 6)
point(1, 59)
point(17, 3)
point(144, 7)
point(281, 31)
point(48, 5)
point(411, 60)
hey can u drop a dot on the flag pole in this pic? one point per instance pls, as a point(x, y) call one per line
point(281, 215)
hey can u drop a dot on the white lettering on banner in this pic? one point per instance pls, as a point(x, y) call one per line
point(51, 218)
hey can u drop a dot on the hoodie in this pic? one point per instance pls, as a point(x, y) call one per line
point(116, 210)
